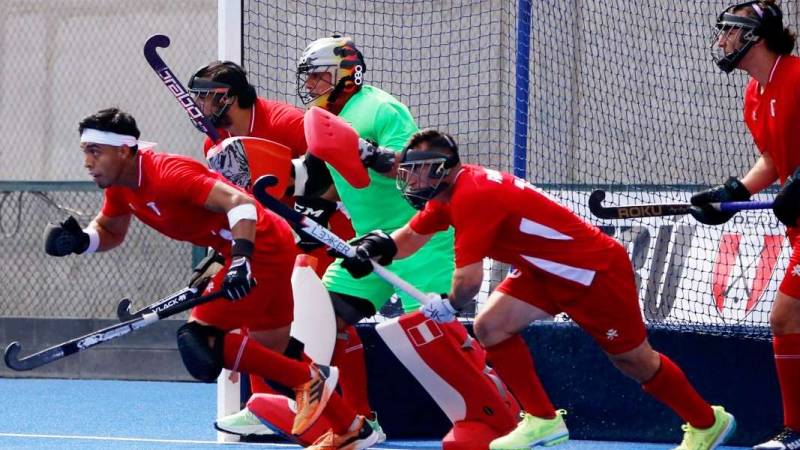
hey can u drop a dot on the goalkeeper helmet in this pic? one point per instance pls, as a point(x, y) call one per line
point(426, 161)
point(329, 68)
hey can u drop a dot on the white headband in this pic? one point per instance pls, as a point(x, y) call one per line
point(107, 138)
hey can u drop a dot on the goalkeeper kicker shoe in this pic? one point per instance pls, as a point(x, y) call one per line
point(363, 436)
point(532, 431)
point(243, 423)
point(313, 395)
point(710, 438)
point(787, 439)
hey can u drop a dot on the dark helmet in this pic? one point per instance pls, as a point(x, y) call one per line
point(224, 80)
point(421, 171)
point(766, 17)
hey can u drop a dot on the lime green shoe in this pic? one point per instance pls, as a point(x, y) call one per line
point(710, 438)
point(376, 427)
point(243, 423)
point(532, 431)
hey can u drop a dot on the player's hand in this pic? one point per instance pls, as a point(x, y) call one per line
point(205, 270)
point(439, 309)
point(731, 191)
point(376, 158)
point(239, 280)
point(375, 245)
point(787, 203)
point(65, 238)
point(317, 209)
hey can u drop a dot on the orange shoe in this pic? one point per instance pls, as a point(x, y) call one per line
point(313, 395)
point(360, 438)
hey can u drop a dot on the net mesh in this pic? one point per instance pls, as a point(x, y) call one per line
point(146, 267)
point(621, 95)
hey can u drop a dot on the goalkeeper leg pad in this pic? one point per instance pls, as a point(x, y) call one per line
point(451, 367)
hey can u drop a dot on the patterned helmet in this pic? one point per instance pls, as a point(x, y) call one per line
point(328, 68)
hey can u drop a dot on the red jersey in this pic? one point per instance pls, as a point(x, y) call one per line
point(170, 198)
point(275, 121)
point(505, 218)
point(772, 113)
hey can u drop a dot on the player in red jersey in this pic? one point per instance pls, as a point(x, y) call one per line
point(230, 102)
point(183, 200)
point(563, 264)
point(751, 37)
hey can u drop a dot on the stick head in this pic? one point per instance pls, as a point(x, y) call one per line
point(334, 141)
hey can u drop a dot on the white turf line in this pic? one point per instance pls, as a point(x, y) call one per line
point(163, 441)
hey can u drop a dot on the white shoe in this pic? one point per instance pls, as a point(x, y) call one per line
point(243, 423)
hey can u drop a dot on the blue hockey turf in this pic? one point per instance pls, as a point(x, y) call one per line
point(94, 415)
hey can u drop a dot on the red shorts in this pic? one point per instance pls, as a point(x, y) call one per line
point(790, 285)
point(608, 309)
point(269, 305)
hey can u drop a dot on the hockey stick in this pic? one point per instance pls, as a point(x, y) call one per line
point(59, 351)
point(326, 236)
point(660, 209)
point(171, 81)
point(124, 313)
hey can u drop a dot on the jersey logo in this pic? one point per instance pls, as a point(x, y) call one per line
point(152, 205)
point(772, 107)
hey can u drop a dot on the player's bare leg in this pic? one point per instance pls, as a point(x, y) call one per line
point(497, 327)
point(784, 322)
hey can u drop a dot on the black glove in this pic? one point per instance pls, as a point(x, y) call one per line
point(239, 279)
point(317, 209)
point(205, 270)
point(731, 191)
point(376, 158)
point(65, 238)
point(787, 203)
point(375, 244)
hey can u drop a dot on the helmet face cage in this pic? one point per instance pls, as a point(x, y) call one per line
point(731, 26)
point(420, 179)
point(215, 93)
point(319, 86)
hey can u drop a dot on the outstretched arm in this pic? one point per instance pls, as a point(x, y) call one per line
point(408, 241)
point(466, 284)
point(761, 175)
point(111, 231)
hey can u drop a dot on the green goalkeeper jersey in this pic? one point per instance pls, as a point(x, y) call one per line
point(379, 117)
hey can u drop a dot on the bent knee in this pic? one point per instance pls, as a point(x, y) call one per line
point(202, 359)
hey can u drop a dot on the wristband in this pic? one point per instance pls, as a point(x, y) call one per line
point(242, 212)
point(242, 247)
point(94, 240)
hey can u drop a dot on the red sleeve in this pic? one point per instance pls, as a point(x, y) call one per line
point(113, 203)
point(287, 127)
point(477, 227)
point(186, 179)
point(431, 219)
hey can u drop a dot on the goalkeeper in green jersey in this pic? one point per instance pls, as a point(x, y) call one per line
point(330, 74)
